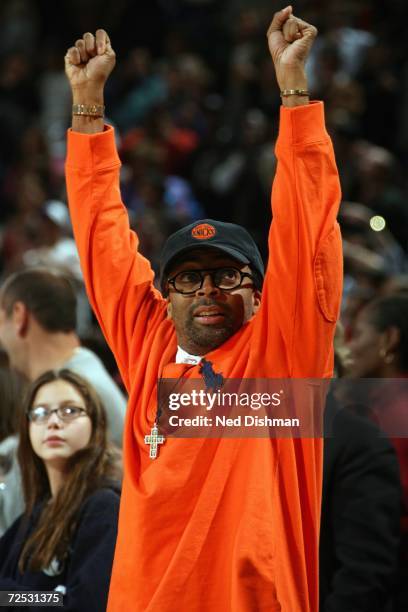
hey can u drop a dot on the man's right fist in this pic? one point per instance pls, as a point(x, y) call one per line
point(89, 64)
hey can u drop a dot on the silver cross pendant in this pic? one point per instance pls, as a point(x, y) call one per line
point(154, 439)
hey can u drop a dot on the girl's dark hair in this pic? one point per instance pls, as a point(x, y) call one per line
point(392, 311)
point(89, 469)
point(11, 399)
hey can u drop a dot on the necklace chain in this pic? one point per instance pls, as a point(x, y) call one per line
point(154, 438)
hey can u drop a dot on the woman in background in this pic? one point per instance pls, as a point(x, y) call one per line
point(65, 540)
point(379, 350)
point(358, 558)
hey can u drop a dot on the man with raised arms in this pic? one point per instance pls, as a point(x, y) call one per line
point(225, 525)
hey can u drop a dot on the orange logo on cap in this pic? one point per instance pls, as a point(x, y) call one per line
point(203, 231)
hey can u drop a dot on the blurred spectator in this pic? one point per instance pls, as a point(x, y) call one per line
point(167, 145)
point(362, 227)
point(246, 52)
point(379, 188)
point(379, 349)
point(381, 82)
point(359, 534)
point(96, 343)
point(55, 101)
point(372, 257)
point(396, 284)
point(140, 89)
point(45, 238)
point(58, 248)
point(18, 100)
point(358, 558)
point(71, 483)
point(18, 26)
point(379, 346)
point(11, 397)
point(349, 44)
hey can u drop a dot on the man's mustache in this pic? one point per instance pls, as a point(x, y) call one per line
point(224, 308)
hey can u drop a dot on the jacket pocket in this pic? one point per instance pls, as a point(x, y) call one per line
point(328, 274)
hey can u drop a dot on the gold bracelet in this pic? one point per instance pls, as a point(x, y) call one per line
point(91, 110)
point(294, 92)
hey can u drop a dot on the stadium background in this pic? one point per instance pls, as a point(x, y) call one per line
point(195, 103)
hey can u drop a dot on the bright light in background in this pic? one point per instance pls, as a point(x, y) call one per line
point(377, 223)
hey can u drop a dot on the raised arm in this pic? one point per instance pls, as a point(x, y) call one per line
point(88, 65)
point(290, 40)
point(118, 279)
point(302, 288)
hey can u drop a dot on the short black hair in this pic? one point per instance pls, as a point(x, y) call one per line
point(392, 311)
point(49, 295)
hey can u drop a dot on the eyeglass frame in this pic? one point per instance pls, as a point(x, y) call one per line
point(210, 271)
point(82, 411)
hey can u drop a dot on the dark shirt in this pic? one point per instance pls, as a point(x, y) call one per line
point(359, 535)
point(86, 573)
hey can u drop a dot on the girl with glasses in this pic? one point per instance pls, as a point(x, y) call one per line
point(65, 540)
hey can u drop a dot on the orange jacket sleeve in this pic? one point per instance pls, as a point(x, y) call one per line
point(303, 282)
point(294, 328)
point(119, 280)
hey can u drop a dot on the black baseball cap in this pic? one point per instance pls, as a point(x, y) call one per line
point(230, 238)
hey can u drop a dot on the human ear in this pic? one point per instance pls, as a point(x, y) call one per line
point(20, 316)
point(169, 309)
point(391, 339)
point(256, 300)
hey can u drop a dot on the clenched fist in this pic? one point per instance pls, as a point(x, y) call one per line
point(89, 63)
point(290, 40)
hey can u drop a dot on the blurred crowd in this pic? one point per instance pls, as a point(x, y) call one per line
point(195, 105)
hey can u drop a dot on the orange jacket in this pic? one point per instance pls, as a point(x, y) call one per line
point(217, 525)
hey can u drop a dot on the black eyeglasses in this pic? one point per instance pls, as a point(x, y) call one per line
point(190, 281)
point(66, 412)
